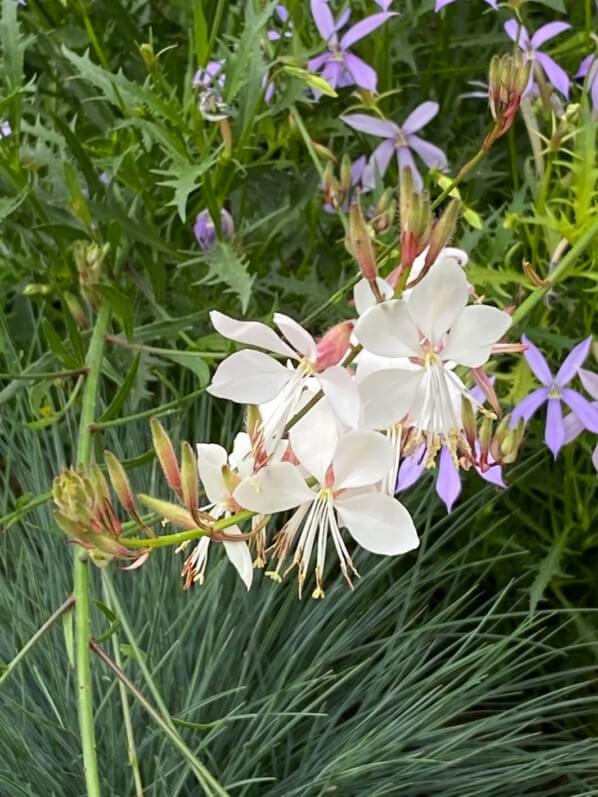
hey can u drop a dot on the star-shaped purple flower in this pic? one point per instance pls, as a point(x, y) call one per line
point(440, 4)
point(554, 391)
point(531, 47)
point(589, 69)
point(339, 66)
point(400, 140)
point(573, 426)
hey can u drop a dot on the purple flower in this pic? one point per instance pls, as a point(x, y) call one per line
point(448, 480)
point(210, 76)
point(442, 3)
point(555, 73)
point(400, 140)
point(205, 231)
point(283, 17)
point(339, 66)
point(554, 390)
point(573, 426)
point(589, 69)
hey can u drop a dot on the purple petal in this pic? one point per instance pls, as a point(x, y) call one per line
point(493, 475)
point(332, 73)
point(518, 33)
point(493, 3)
point(364, 28)
point(419, 117)
point(554, 434)
point(584, 409)
point(530, 404)
point(440, 4)
point(406, 161)
point(573, 362)
point(448, 483)
point(584, 67)
point(595, 92)
point(547, 32)
point(535, 360)
point(382, 128)
point(411, 469)
point(573, 427)
point(357, 169)
point(590, 381)
point(323, 18)
point(555, 73)
point(318, 61)
point(281, 12)
point(378, 163)
point(343, 18)
point(432, 156)
point(595, 458)
point(363, 74)
point(384, 4)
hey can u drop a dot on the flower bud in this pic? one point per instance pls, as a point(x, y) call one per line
point(512, 442)
point(189, 478)
point(120, 482)
point(330, 187)
point(76, 310)
point(166, 456)
point(469, 423)
point(89, 260)
point(508, 79)
point(442, 232)
point(333, 345)
point(485, 437)
point(346, 176)
point(384, 211)
point(415, 214)
point(150, 59)
point(360, 244)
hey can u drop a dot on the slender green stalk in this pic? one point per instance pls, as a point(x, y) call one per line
point(162, 718)
point(164, 409)
point(81, 567)
point(66, 606)
point(17, 514)
point(461, 175)
point(45, 375)
point(558, 274)
point(184, 536)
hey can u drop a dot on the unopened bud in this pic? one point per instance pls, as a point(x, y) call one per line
point(333, 345)
point(89, 260)
point(323, 151)
point(384, 212)
point(508, 79)
point(330, 187)
point(442, 232)
point(227, 139)
point(120, 482)
point(512, 443)
point(469, 424)
point(360, 243)
point(150, 59)
point(166, 456)
point(485, 436)
point(76, 310)
point(346, 175)
point(415, 213)
point(189, 478)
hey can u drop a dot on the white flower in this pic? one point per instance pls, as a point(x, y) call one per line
point(436, 330)
point(212, 460)
point(347, 471)
point(252, 377)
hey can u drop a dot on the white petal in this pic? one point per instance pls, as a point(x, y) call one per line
point(367, 363)
point(389, 330)
point(474, 333)
point(210, 460)
point(239, 556)
point(251, 332)
point(387, 396)
point(379, 523)
point(275, 488)
point(299, 338)
point(439, 298)
point(249, 377)
point(364, 298)
point(341, 391)
point(362, 458)
point(314, 438)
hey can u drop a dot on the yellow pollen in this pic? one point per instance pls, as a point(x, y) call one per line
point(554, 392)
point(430, 359)
point(325, 494)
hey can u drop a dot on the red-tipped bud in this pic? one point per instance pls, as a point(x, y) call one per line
point(76, 310)
point(166, 456)
point(415, 213)
point(333, 345)
point(360, 244)
point(508, 79)
point(120, 483)
point(442, 232)
point(189, 478)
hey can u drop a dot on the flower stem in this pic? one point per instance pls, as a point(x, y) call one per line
point(462, 174)
point(184, 536)
point(38, 634)
point(81, 566)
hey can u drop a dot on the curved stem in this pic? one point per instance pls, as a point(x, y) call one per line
point(81, 566)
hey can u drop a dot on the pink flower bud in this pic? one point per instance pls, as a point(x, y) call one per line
point(166, 456)
point(333, 345)
point(360, 244)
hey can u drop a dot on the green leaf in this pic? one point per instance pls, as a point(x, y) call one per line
point(119, 399)
point(227, 267)
point(548, 569)
point(188, 359)
point(112, 619)
point(121, 306)
point(12, 44)
point(556, 5)
point(56, 346)
point(184, 181)
point(9, 204)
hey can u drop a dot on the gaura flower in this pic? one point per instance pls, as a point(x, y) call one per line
point(436, 330)
point(213, 461)
point(339, 66)
point(589, 69)
point(401, 140)
point(531, 48)
point(554, 391)
point(205, 231)
point(252, 377)
point(573, 425)
point(346, 471)
point(440, 4)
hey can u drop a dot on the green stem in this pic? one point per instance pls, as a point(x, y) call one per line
point(184, 536)
point(161, 410)
point(17, 514)
point(162, 716)
point(462, 174)
point(94, 41)
point(45, 374)
point(558, 274)
point(81, 567)
point(38, 634)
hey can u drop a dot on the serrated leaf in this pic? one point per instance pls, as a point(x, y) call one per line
point(227, 267)
point(184, 182)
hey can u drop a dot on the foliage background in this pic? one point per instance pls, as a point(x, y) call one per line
point(465, 669)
